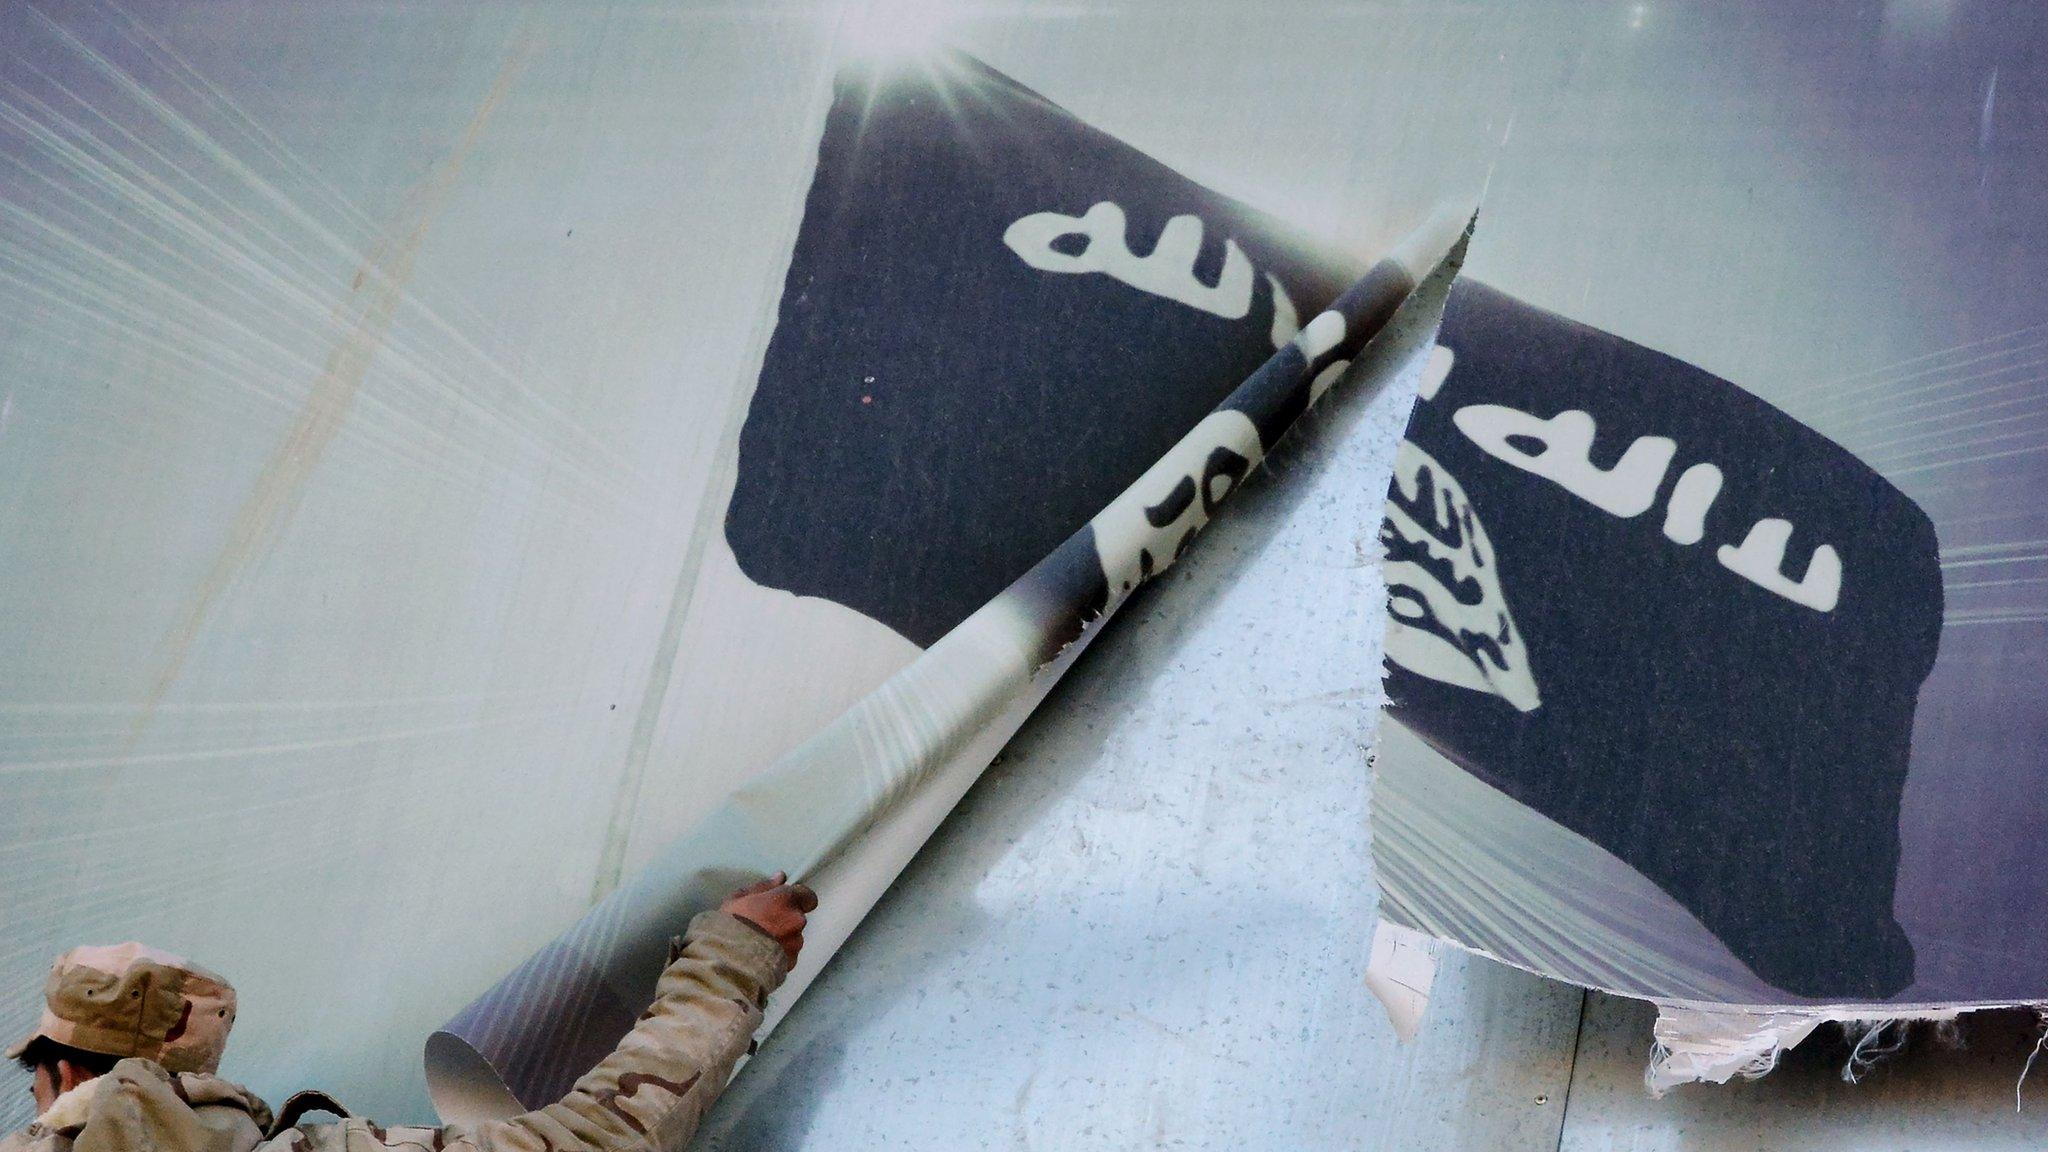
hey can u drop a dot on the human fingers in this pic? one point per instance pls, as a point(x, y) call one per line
point(785, 912)
point(763, 885)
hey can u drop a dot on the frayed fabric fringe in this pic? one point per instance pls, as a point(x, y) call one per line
point(1716, 1046)
point(1697, 1044)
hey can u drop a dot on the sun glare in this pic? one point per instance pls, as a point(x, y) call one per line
point(894, 29)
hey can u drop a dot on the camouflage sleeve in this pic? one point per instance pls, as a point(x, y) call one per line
point(656, 1085)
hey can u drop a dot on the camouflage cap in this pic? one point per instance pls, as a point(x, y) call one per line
point(131, 1000)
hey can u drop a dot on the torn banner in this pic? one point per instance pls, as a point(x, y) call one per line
point(1655, 655)
point(1676, 622)
point(1017, 366)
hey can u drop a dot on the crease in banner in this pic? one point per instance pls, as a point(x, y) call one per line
point(906, 751)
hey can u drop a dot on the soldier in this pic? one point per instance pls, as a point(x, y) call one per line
point(125, 1054)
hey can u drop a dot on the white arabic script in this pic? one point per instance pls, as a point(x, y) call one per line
point(1168, 270)
point(1625, 490)
point(1761, 560)
point(1447, 617)
point(1560, 450)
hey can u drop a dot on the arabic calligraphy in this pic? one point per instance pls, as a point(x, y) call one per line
point(1434, 370)
point(1044, 240)
point(1448, 618)
point(1560, 449)
point(1685, 514)
point(1151, 524)
point(1761, 560)
point(1286, 320)
point(1625, 490)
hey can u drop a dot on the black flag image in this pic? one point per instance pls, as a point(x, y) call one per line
point(1673, 619)
point(995, 318)
point(1700, 649)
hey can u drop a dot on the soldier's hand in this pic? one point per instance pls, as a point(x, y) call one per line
point(776, 907)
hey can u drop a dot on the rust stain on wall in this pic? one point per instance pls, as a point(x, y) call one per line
point(364, 316)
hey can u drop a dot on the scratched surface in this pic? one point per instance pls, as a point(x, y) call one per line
point(361, 376)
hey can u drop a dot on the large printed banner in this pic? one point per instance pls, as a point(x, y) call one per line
point(1687, 700)
point(541, 440)
point(995, 318)
point(1672, 620)
point(1017, 367)
point(1659, 656)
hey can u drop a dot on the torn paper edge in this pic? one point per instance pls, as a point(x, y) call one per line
point(1691, 1042)
point(1694, 1039)
point(1399, 973)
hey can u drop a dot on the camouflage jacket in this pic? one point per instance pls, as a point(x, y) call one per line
point(648, 1094)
